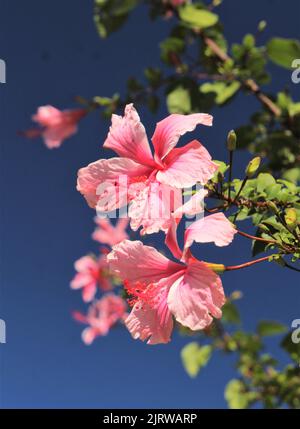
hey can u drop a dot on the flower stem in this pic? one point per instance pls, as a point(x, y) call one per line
point(247, 264)
point(230, 172)
point(241, 188)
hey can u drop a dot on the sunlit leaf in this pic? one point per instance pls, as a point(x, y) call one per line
point(283, 51)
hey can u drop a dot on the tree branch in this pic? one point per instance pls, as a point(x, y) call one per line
point(249, 83)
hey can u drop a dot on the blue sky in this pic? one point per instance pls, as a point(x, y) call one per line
point(53, 53)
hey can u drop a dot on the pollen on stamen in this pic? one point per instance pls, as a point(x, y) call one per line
point(141, 294)
point(138, 179)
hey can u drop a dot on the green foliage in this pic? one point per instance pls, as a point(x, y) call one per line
point(179, 100)
point(170, 48)
point(195, 357)
point(110, 15)
point(237, 396)
point(231, 313)
point(197, 18)
point(291, 347)
point(283, 51)
point(265, 328)
point(223, 91)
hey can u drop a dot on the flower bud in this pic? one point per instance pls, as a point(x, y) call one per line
point(220, 177)
point(290, 217)
point(231, 140)
point(237, 294)
point(253, 166)
point(263, 228)
point(262, 25)
point(272, 206)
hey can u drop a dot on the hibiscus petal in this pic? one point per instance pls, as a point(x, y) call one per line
point(196, 296)
point(127, 137)
point(187, 165)
point(192, 207)
point(169, 130)
point(171, 239)
point(143, 325)
point(85, 263)
point(153, 206)
point(106, 233)
point(89, 292)
point(47, 115)
point(133, 261)
point(55, 135)
point(214, 228)
point(88, 336)
point(153, 322)
point(80, 280)
point(113, 175)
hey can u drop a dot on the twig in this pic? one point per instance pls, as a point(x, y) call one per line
point(249, 83)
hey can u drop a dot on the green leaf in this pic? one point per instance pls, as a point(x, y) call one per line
point(236, 395)
point(292, 348)
point(249, 41)
point(110, 15)
point(258, 247)
point(221, 170)
point(230, 313)
point(195, 357)
point(293, 174)
point(179, 100)
point(171, 45)
point(283, 51)
point(264, 180)
point(153, 103)
point(153, 75)
point(224, 91)
point(197, 18)
point(265, 328)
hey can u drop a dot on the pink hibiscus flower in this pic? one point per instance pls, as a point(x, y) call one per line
point(106, 233)
point(56, 125)
point(160, 288)
point(151, 184)
point(102, 316)
point(91, 274)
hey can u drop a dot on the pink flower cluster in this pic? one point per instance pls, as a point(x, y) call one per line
point(93, 277)
point(160, 290)
point(102, 315)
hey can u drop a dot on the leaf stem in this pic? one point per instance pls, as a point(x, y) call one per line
point(252, 237)
point(291, 267)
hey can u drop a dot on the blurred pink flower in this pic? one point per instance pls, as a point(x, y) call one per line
point(176, 3)
point(56, 125)
point(109, 234)
point(91, 274)
point(155, 182)
point(102, 316)
point(160, 288)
